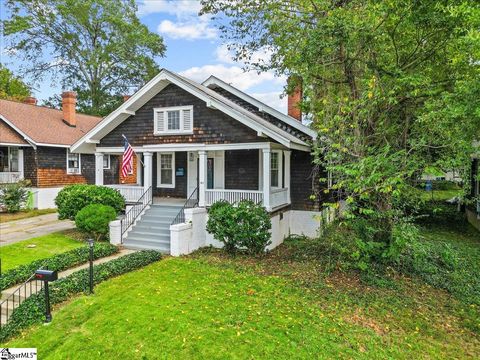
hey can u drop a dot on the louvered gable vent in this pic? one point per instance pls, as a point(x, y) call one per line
point(173, 120)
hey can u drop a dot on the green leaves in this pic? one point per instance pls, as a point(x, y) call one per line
point(98, 48)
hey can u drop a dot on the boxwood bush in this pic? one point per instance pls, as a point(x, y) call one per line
point(73, 198)
point(32, 310)
point(93, 219)
point(57, 262)
point(242, 226)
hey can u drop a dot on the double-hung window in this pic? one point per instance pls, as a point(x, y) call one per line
point(173, 120)
point(73, 163)
point(276, 169)
point(106, 161)
point(166, 170)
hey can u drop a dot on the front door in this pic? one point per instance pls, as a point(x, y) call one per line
point(210, 171)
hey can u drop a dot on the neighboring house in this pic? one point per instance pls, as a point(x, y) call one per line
point(35, 145)
point(207, 142)
point(473, 211)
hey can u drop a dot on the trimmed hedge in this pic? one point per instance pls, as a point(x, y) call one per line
point(93, 219)
point(57, 262)
point(73, 198)
point(32, 310)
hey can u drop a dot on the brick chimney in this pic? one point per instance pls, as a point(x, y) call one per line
point(69, 101)
point(295, 97)
point(30, 100)
point(126, 97)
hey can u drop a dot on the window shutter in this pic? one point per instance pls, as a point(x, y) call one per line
point(160, 123)
point(187, 120)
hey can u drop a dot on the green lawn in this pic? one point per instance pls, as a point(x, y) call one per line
point(5, 217)
point(208, 306)
point(45, 246)
point(440, 195)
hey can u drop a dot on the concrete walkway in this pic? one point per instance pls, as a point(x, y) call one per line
point(8, 308)
point(18, 230)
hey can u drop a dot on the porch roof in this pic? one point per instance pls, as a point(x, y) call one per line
point(8, 136)
point(212, 99)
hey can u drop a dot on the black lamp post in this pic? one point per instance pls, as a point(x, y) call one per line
point(90, 244)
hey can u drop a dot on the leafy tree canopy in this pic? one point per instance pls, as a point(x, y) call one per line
point(392, 86)
point(98, 48)
point(11, 87)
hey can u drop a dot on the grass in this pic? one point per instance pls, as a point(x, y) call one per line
point(45, 246)
point(283, 305)
point(5, 217)
point(440, 195)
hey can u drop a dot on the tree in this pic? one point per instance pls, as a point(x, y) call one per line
point(98, 48)
point(11, 87)
point(392, 86)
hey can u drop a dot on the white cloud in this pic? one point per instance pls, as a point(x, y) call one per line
point(179, 8)
point(224, 55)
point(192, 29)
point(272, 99)
point(234, 75)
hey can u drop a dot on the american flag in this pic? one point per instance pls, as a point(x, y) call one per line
point(127, 159)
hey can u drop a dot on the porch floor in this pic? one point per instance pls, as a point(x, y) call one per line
point(168, 201)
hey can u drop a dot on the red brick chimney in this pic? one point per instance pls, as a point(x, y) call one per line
point(30, 100)
point(295, 97)
point(126, 97)
point(69, 101)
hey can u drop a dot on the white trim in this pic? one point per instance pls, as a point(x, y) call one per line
point(109, 162)
point(11, 144)
point(279, 169)
point(159, 172)
point(79, 163)
point(165, 110)
point(54, 145)
point(228, 107)
point(25, 136)
point(213, 80)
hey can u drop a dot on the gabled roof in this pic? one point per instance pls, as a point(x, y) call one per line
point(10, 136)
point(40, 125)
point(256, 106)
point(213, 100)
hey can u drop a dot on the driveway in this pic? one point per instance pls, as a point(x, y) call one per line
point(18, 230)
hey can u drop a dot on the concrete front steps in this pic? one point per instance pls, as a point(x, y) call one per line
point(34, 287)
point(152, 230)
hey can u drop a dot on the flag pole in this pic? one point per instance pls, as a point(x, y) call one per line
point(139, 159)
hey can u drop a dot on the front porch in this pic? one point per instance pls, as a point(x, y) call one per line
point(258, 172)
point(11, 164)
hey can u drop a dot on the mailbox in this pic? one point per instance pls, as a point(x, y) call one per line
point(46, 275)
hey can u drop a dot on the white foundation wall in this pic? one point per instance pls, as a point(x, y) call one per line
point(44, 198)
point(192, 235)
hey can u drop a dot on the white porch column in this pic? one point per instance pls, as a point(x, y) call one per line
point(202, 177)
point(266, 178)
point(147, 170)
point(98, 168)
point(286, 168)
point(21, 164)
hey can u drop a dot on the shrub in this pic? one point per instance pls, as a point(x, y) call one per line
point(93, 219)
point(32, 310)
point(14, 196)
point(57, 262)
point(71, 199)
point(242, 226)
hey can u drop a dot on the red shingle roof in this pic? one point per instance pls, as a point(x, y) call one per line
point(10, 136)
point(45, 125)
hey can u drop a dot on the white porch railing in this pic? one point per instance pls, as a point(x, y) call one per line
point(232, 196)
point(10, 177)
point(131, 193)
point(278, 197)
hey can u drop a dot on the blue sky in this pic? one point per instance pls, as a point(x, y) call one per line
point(194, 49)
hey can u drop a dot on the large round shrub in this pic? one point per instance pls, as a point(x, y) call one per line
point(71, 199)
point(93, 219)
point(243, 226)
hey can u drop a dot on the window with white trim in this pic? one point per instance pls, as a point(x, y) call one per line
point(275, 169)
point(73, 163)
point(166, 170)
point(173, 120)
point(106, 161)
